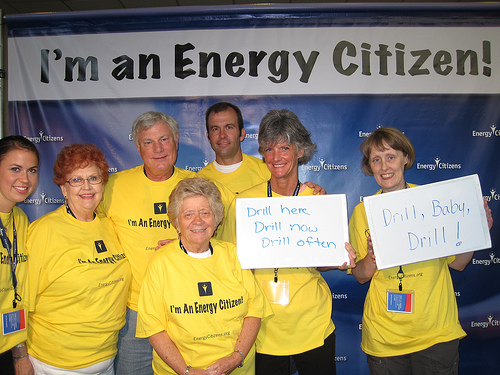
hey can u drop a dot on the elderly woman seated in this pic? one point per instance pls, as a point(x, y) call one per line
point(199, 309)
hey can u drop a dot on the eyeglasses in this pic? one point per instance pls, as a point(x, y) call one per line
point(78, 181)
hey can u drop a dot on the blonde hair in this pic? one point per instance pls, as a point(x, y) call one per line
point(193, 187)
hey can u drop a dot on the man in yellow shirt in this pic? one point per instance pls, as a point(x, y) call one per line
point(231, 167)
point(136, 201)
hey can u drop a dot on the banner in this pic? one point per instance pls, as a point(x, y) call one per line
point(430, 70)
point(375, 60)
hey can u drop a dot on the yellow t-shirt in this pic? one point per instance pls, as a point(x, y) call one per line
point(251, 172)
point(306, 321)
point(200, 303)
point(435, 317)
point(138, 208)
point(78, 280)
point(6, 288)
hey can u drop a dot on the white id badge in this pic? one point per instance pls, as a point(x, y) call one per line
point(400, 301)
point(277, 292)
point(13, 321)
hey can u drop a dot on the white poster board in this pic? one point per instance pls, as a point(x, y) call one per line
point(285, 232)
point(427, 222)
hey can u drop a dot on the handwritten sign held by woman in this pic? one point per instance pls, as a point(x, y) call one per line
point(427, 222)
point(307, 231)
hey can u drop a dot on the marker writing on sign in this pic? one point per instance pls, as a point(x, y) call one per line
point(433, 237)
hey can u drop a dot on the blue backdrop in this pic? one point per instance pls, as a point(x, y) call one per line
point(449, 129)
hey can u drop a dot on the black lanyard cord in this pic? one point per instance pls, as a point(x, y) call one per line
point(184, 249)
point(400, 276)
point(269, 195)
point(270, 192)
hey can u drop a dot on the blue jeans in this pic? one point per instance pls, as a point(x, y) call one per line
point(135, 355)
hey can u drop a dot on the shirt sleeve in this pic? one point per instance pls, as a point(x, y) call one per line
point(357, 231)
point(151, 318)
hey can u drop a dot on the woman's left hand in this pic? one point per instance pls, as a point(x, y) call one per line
point(489, 217)
point(345, 266)
point(318, 190)
point(352, 257)
point(226, 365)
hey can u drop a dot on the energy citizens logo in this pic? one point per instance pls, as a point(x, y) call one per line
point(205, 289)
point(324, 166)
point(487, 134)
point(438, 164)
point(490, 322)
point(494, 196)
point(44, 138)
point(196, 169)
point(486, 262)
point(43, 199)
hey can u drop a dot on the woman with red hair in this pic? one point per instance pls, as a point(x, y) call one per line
point(78, 273)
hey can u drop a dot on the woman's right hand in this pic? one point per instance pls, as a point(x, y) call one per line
point(202, 371)
point(163, 243)
point(369, 249)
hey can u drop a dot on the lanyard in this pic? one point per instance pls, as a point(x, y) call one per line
point(209, 246)
point(270, 192)
point(269, 195)
point(400, 275)
point(12, 255)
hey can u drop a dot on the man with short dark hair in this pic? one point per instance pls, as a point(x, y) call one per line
point(231, 167)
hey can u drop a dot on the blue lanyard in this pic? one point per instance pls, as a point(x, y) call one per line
point(12, 256)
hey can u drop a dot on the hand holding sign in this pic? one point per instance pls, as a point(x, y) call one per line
point(428, 222)
point(307, 231)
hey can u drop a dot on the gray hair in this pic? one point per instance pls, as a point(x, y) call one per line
point(193, 187)
point(284, 126)
point(148, 119)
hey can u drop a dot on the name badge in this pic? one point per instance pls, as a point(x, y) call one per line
point(400, 301)
point(277, 292)
point(13, 321)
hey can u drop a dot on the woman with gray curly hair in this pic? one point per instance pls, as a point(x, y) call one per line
point(301, 326)
point(199, 309)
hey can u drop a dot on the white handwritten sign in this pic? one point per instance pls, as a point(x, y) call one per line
point(427, 222)
point(306, 231)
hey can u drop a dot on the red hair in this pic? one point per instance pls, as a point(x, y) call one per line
point(76, 156)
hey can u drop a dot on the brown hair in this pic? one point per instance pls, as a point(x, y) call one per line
point(381, 137)
point(17, 142)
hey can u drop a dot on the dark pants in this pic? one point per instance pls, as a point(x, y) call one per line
point(313, 362)
point(6, 363)
point(439, 359)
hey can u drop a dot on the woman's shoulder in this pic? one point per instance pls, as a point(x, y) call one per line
point(49, 218)
point(125, 176)
point(229, 246)
point(168, 251)
point(19, 214)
